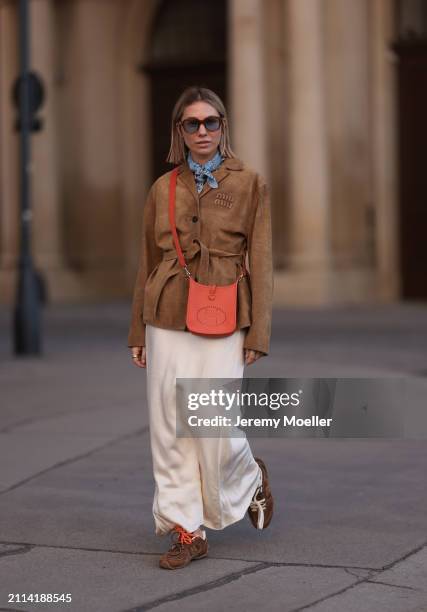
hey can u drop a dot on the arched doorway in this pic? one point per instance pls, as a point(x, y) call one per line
point(188, 46)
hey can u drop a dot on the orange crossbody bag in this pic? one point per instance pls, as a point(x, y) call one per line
point(211, 309)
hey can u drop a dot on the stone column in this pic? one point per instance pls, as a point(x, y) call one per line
point(45, 163)
point(135, 126)
point(9, 152)
point(91, 163)
point(308, 151)
point(306, 259)
point(246, 83)
point(385, 150)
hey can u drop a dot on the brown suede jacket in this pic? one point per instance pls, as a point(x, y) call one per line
point(215, 228)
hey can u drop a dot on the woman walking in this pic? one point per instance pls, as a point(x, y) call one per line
point(222, 210)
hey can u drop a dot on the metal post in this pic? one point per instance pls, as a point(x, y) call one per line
point(27, 307)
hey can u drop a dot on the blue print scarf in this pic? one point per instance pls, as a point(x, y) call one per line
point(203, 172)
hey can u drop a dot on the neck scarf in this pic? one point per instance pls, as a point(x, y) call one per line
point(203, 172)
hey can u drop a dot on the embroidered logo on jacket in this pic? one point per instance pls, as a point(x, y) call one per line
point(224, 199)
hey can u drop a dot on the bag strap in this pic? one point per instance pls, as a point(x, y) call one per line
point(172, 193)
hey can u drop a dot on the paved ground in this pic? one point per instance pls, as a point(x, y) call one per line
point(350, 529)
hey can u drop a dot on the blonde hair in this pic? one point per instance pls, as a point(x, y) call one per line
point(178, 149)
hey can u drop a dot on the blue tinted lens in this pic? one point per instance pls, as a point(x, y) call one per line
point(212, 123)
point(190, 125)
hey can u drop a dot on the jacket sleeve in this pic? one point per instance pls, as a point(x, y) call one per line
point(260, 253)
point(150, 256)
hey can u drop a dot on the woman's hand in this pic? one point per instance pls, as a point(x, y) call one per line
point(139, 356)
point(251, 356)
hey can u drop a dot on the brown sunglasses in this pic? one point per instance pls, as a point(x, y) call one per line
point(191, 125)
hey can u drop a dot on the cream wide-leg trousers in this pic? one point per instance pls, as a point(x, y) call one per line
point(198, 481)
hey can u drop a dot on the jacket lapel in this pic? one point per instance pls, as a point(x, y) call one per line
point(186, 176)
point(219, 174)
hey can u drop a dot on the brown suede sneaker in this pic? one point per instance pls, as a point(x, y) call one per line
point(186, 547)
point(261, 507)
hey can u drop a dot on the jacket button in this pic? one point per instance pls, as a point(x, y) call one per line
point(195, 219)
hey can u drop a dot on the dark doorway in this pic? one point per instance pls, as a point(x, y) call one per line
point(411, 51)
point(188, 47)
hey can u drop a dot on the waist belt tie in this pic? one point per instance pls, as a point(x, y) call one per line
point(205, 253)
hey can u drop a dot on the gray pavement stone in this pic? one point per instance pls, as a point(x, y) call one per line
point(45, 450)
point(371, 597)
point(401, 588)
point(105, 581)
point(273, 589)
point(290, 589)
point(100, 501)
point(410, 572)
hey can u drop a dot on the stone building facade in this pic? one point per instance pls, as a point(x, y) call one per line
point(312, 88)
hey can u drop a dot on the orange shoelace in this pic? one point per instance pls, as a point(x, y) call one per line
point(185, 537)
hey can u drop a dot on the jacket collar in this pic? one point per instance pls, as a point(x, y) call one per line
point(186, 175)
point(232, 163)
